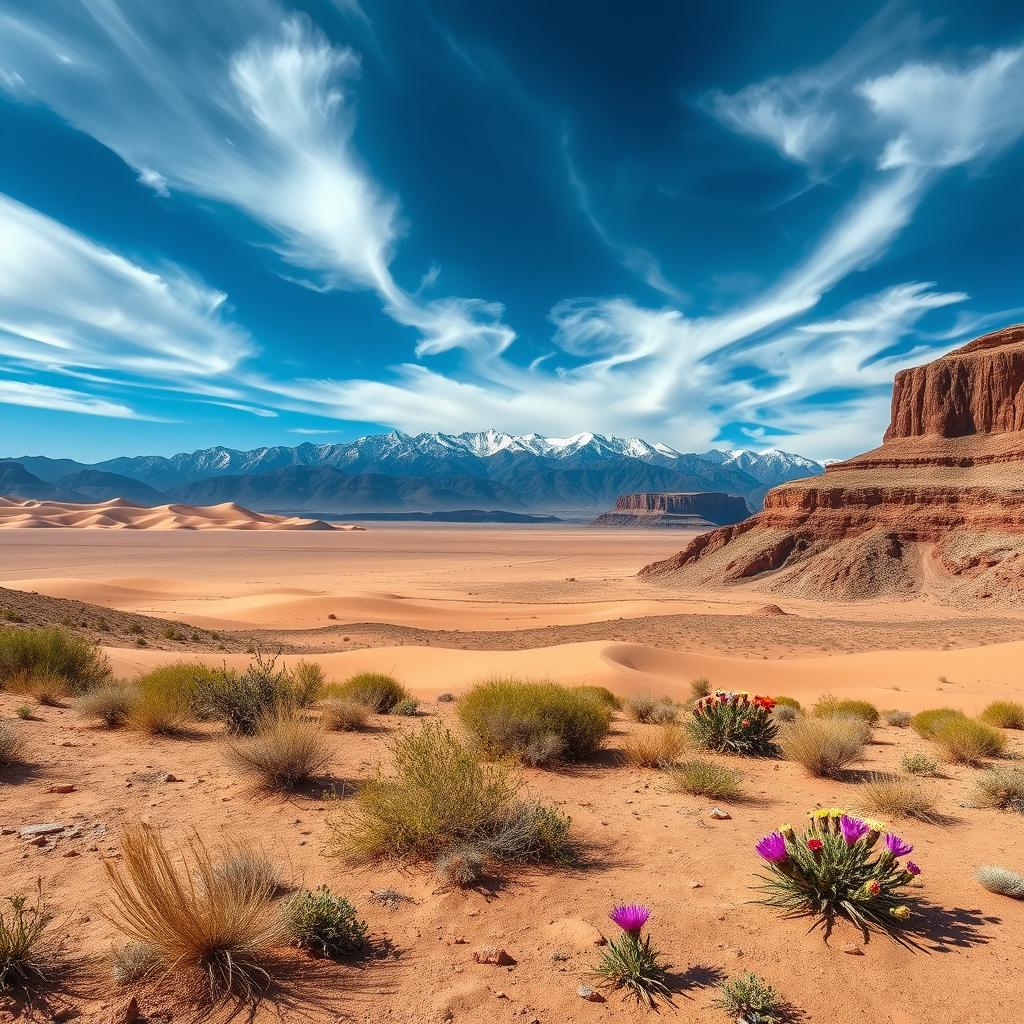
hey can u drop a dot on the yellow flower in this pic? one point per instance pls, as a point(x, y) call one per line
point(900, 913)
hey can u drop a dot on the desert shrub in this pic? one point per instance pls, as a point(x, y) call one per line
point(188, 915)
point(441, 797)
point(658, 747)
point(834, 869)
point(461, 867)
point(43, 687)
point(833, 707)
point(919, 764)
point(736, 723)
point(110, 704)
point(602, 693)
point(898, 798)
point(23, 938)
point(824, 746)
point(705, 778)
point(966, 741)
point(630, 962)
point(1006, 714)
point(899, 719)
point(700, 687)
point(650, 710)
point(1002, 881)
point(505, 715)
point(325, 924)
point(378, 691)
point(244, 700)
point(789, 702)
point(924, 723)
point(249, 870)
point(750, 999)
point(131, 962)
point(446, 698)
point(169, 697)
point(784, 713)
point(340, 715)
point(283, 753)
point(1002, 788)
point(54, 653)
point(12, 745)
point(543, 750)
point(407, 707)
point(307, 680)
point(23, 711)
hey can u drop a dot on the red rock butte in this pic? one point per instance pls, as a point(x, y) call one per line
point(675, 509)
point(937, 511)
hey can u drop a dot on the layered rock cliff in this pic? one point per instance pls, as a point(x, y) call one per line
point(936, 511)
point(698, 510)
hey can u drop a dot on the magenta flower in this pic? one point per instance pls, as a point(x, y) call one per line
point(630, 918)
point(896, 846)
point(773, 848)
point(912, 868)
point(852, 829)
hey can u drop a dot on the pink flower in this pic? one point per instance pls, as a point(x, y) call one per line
point(773, 848)
point(852, 829)
point(630, 918)
point(912, 868)
point(896, 846)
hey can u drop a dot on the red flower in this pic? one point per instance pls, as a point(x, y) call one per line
point(814, 845)
point(873, 887)
point(745, 723)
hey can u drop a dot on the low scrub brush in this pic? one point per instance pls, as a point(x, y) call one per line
point(630, 962)
point(750, 999)
point(659, 747)
point(1002, 788)
point(285, 752)
point(650, 710)
point(824, 746)
point(110, 704)
point(919, 764)
point(325, 924)
point(705, 778)
point(376, 690)
point(23, 940)
point(12, 745)
point(897, 798)
point(899, 719)
point(1005, 714)
point(735, 723)
point(966, 741)
point(54, 653)
point(339, 714)
point(833, 707)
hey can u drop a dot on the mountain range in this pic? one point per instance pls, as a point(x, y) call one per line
point(423, 472)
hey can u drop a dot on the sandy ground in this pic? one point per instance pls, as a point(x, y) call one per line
point(442, 607)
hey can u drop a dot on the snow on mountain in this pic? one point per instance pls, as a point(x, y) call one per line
point(770, 467)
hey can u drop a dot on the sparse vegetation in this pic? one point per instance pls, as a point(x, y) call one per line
point(898, 798)
point(630, 962)
point(23, 926)
point(824, 746)
point(962, 740)
point(789, 702)
point(131, 962)
point(324, 923)
point(167, 699)
point(650, 710)
point(658, 747)
point(1006, 714)
point(924, 723)
point(377, 690)
point(24, 712)
point(283, 753)
point(898, 719)
point(1002, 881)
point(462, 867)
point(12, 745)
point(189, 916)
point(408, 707)
point(110, 704)
point(249, 870)
point(340, 715)
point(833, 707)
point(43, 687)
point(1001, 787)
point(602, 693)
point(735, 723)
point(699, 687)
point(784, 713)
point(750, 999)
point(705, 778)
point(919, 764)
point(441, 797)
point(506, 716)
point(51, 654)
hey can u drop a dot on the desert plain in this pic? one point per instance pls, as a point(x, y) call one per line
point(444, 607)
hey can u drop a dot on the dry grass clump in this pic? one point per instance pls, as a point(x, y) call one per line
point(131, 963)
point(705, 778)
point(23, 940)
point(824, 746)
point(924, 723)
point(53, 653)
point(833, 707)
point(699, 687)
point(283, 753)
point(897, 798)
point(462, 867)
point(340, 715)
point(110, 704)
point(659, 747)
point(919, 764)
point(377, 690)
point(12, 745)
point(899, 719)
point(962, 740)
point(43, 687)
point(167, 699)
point(1001, 880)
point(188, 916)
point(1006, 714)
point(650, 710)
point(785, 714)
point(1002, 788)
point(439, 798)
point(249, 870)
point(508, 716)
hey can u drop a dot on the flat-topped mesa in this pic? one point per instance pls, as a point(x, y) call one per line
point(687, 510)
point(936, 510)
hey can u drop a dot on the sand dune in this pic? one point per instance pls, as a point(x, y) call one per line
point(119, 514)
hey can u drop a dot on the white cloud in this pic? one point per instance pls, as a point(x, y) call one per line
point(310, 430)
point(44, 396)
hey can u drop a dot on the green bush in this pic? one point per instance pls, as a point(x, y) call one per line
point(924, 723)
point(1006, 714)
point(441, 797)
point(705, 778)
point(169, 697)
point(735, 723)
point(408, 707)
point(964, 740)
point(324, 923)
point(919, 764)
point(377, 690)
point(53, 653)
point(506, 716)
point(22, 940)
point(110, 704)
point(899, 719)
point(789, 702)
point(833, 707)
point(750, 999)
point(603, 694)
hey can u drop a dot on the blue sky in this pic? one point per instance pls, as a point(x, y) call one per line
point(257, 222)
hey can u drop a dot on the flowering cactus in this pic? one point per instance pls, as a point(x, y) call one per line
point(738, 723)
point(837, 869)
point(629, 962)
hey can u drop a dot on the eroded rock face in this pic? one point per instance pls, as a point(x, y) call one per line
point(938, 509)
point(700, 510)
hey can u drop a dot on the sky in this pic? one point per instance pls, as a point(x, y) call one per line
point(259, 222)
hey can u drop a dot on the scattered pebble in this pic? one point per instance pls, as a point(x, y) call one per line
point(492, 955)
point(591, 995)
point(721, 815)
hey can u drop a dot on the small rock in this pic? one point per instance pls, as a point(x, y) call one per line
point(696, 885)
point(853, 949)
point(72, 853)
point(63, 788)
point(48, 829)
point(492, 955)
point(721, 815)
point(127, 1014)
point(38, 841)
point(591, 995)
point(168, 777)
